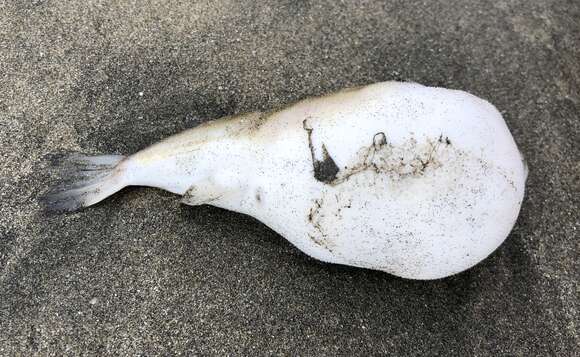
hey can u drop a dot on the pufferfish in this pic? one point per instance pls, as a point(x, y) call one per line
point(416, 181)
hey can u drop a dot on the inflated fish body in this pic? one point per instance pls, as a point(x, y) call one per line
point(416, 181)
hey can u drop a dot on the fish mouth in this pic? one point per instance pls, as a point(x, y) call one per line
point(525, 165)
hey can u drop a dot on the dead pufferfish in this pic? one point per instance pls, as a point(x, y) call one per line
point(416, 181)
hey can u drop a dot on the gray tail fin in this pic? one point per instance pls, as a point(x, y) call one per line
point(83, 181)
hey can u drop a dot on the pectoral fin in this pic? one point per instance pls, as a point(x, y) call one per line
point(202, 193)
point(213, 190)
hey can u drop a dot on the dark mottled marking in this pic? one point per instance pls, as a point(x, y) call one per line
point(446, 140)
point(325, 170)
point(314, 209)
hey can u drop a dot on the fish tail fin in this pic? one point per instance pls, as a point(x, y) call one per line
point(83, 180)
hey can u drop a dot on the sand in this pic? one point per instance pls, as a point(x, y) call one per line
point(142, 274)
